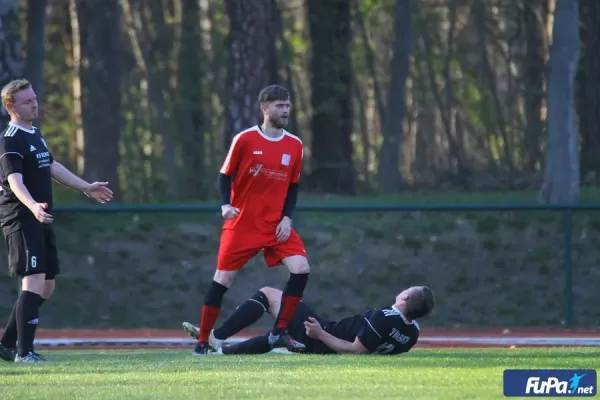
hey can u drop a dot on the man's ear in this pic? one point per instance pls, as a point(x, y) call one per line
point(263, 106)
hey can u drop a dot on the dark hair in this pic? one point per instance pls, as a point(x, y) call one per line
point(420, 302)
point(273, 93)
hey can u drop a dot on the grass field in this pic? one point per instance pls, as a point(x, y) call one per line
point(174, 374)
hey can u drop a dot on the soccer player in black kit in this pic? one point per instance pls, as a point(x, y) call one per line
point(386, 331)
point(26, 172)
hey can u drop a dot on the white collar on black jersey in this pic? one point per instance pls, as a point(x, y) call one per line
point(413, 322)
point(22, 128)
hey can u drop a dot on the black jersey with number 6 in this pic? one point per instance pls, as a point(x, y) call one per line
point(23, 151)
point(383, 331)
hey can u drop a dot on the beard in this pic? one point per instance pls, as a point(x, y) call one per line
point(278, 123)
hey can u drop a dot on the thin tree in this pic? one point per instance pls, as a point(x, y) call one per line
point(561, 179)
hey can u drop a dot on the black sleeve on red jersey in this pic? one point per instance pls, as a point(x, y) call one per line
point(290, 200)
point(11, 156)
point(374, 331)
point(224, 183)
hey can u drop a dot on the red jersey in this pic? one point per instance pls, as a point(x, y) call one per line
point(262, 169)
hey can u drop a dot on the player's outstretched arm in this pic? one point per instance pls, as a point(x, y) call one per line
point(315, 331)
point(97, 190)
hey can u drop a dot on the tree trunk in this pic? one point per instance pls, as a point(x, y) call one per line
point(561, 179)
point(589, 91)
point(11, 65)
point(331, 97)
point(388, 174)
point(36, 40)
point(534, 83)
point(100, 74)
point(78, 141)
point(250, 62)
point(191, 120)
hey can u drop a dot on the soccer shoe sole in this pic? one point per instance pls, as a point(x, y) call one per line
point(191, 330)
point(214, 344)
point(285, 342)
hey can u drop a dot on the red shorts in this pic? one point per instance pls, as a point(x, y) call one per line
point(237, 248)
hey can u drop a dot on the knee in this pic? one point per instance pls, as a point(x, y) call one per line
point(49, 287)
point(297, 264)
point(34, 283)
point(300, 268)
point(271, 293)
point(225, 278)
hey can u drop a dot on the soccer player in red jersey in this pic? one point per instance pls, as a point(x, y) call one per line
point(258, 186)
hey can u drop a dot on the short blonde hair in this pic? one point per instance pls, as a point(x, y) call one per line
point(9, 90)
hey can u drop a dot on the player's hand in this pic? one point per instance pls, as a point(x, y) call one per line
point(229, 212)
point(313, 328)
point(99, 192)
point(284, 229)
point(39, 212)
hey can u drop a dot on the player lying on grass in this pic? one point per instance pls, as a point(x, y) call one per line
point(387, 330)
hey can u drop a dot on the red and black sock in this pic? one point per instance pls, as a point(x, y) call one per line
point(290, 299)
point(211, 309)
point(245, 315)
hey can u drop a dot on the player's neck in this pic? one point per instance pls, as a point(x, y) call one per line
point(270, 130)
point(22, 124)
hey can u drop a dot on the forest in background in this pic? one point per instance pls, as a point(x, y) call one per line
point(389, 95)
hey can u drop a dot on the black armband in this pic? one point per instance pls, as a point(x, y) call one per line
point(224, 183)
point(290, 201)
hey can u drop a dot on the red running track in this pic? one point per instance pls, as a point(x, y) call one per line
point(431, 337)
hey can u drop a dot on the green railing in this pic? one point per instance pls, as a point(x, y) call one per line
point(567, 210)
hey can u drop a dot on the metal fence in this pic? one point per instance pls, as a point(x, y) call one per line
point(567, 212)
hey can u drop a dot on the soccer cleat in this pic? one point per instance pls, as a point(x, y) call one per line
point(214, 344)
point(281, 339)
point(31, 357)
point(201, 349)
point(192, 330)
point(6, 353)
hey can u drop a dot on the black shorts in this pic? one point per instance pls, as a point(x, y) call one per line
point(297, 331)
point(32, 250)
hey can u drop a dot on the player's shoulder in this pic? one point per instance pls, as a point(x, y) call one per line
point(294, 139)
point(10, 131)
point(11, 135)
point(245, 135)
point(397, 317)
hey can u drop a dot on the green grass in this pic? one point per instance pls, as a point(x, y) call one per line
point(420, 374)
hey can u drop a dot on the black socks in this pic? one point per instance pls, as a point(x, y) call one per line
point(245, 315)
point(28, 307)
point(9, 338)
